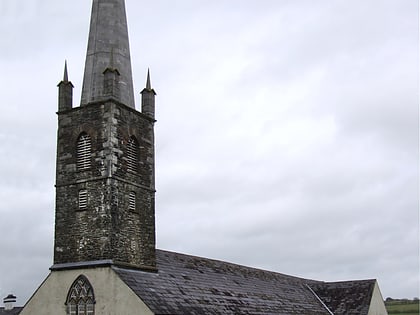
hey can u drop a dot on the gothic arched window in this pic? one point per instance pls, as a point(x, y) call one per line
point(81, 299)
point(83, 151)
point(132, 155)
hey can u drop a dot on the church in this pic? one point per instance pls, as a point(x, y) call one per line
point(105, 255)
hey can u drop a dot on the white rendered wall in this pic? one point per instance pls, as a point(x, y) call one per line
point(112, 295)
point(377, 304)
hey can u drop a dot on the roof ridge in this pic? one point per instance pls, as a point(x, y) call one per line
point(233, 264)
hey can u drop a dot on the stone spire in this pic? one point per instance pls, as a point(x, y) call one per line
point(108, 40)
point(105, 171)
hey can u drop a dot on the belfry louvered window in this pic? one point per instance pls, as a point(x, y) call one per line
point(81, 299)
point(83, 198)
point(132, 201)
point(83, 151)
point(132, 155)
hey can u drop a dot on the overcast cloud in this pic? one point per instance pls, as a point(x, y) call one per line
point(287, 133)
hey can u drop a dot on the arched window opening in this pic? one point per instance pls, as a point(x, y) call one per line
point(83, 199)
point(132, 201)
point(83, 151)
point(132, 155)
point(81, 299)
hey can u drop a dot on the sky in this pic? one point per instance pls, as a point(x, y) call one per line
point(286, 136)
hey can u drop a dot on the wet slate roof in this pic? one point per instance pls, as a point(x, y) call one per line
point(192, 285)
point(347, 297)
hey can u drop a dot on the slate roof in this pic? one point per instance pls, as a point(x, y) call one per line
point(348, 297)
point(14, 311)
point(191, 285)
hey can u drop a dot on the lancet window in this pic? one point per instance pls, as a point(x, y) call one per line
point(81, 299)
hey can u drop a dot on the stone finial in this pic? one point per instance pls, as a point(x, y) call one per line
point(66, 75)
point(148, 84)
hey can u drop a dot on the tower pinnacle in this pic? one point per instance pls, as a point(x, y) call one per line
point(108, 41)
point(65, 92)
point(148, 98)
point(148, 84)
point(66, 76)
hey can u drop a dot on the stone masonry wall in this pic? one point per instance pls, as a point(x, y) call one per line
point(106, 228)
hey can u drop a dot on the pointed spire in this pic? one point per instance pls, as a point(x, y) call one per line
point(66, 76)
point(148, 88)
point(148, 84)
point(65, 92)
point(148, 98)
point(108, 41)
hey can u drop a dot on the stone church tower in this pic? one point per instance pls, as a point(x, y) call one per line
point(105, 186)
point(105, 260)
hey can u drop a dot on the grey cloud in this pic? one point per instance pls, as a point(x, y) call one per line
point(286, 133)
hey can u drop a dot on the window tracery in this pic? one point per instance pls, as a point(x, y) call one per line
point(81, 299)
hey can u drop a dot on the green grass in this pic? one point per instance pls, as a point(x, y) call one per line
point(402, 307)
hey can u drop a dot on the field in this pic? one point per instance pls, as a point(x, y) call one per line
point(402, 307)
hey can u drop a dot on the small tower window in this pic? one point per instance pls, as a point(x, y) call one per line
point(83, 199)
point(81, 299)
point(132, 201)
point(83, 151)
point(132, 155)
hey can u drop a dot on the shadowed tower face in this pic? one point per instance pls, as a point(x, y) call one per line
point(108, 47)
point(105, 187)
